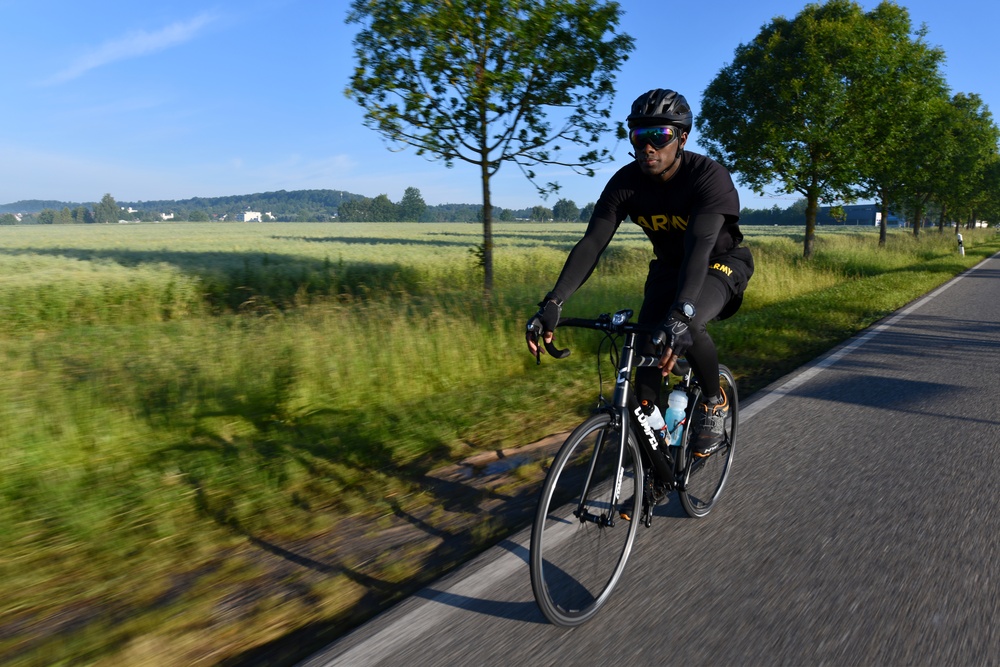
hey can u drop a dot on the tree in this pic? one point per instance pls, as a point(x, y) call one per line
point(106, 211)
point(383, 210)
point(197, 216)
point(541, 214)
point(586, 212)
point(906, 88)
point(473, 80)
point(972, 136)
point(989, 206)
point(797, 104)
point(565, 210)
point(411, 207)
point(82, 214)
point(355, 210)
point(922, 176)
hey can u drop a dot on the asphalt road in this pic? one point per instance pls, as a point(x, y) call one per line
point(860, 526)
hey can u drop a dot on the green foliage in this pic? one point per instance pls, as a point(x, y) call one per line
point(541, 214)
point(34, 205)
point(411, 207)
point(82, 215)
point(479, 75)
point(476, 80)
point(286, 206)
point(106, 211)
point(565, 211)
point(804, 102)
point(968, 138)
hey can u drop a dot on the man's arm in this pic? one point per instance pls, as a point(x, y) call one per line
point(579, 265)
point(583, 258)
point(703, 230)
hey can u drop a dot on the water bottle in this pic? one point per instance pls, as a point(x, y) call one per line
point(655, 421)
point(676, 405)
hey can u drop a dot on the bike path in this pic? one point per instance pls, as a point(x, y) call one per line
point(860, 526)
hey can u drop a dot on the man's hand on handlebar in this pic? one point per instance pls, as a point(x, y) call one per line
point(675, 334)
point(543, 323)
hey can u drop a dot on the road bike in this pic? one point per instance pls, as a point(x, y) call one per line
point(611, 473)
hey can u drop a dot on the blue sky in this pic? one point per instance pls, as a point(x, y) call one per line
point(185, 98)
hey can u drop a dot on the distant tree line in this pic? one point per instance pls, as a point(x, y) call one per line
point(795, 214)
point(298, 205)
point(358, 208)
point(294, 206)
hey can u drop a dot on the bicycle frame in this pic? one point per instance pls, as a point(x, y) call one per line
point(627, 409)
point(624, 408)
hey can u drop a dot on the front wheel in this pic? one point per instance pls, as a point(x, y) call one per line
point(579, 541)
point(704, 479)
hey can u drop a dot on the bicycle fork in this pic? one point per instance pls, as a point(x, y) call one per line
point(605, 519)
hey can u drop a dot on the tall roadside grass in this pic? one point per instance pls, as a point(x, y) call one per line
point(796, 309)
point(180, 400)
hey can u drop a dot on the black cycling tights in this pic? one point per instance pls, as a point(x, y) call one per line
point(702, 355)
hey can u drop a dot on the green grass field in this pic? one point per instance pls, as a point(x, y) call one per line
point(175, 396)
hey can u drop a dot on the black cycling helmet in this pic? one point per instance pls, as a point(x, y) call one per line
point(661, 106)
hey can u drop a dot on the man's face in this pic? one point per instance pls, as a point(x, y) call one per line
point(659, 163)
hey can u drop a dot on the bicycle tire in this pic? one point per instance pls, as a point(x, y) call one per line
point(575, 564)
point(704, 479)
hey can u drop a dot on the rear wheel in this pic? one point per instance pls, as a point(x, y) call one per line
point(579, 543)
point(704, 478)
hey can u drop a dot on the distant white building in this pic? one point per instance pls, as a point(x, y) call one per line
point(248, 216)
point(166, 216)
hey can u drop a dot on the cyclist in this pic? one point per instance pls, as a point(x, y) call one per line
point(688, 207)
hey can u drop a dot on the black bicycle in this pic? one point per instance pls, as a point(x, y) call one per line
point(608, 477)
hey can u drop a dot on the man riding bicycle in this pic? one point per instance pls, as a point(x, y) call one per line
point(689, 208)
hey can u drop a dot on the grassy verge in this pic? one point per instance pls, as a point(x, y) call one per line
point(181, 403)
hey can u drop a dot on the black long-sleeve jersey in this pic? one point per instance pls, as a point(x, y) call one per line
point(689, 219)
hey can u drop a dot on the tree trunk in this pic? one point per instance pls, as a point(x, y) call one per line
point(487, 233)
point(812, 204)
point(944, 212)
point(882, 224)
point(918, 219)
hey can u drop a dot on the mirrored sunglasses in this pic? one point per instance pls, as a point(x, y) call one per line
point(657, 137)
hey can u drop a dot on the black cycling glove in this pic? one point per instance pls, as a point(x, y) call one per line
point(675, 334)
point(546, 319)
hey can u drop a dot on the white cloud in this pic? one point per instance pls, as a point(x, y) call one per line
point(132, 45)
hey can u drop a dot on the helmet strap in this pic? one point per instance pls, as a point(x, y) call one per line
point(677, 158)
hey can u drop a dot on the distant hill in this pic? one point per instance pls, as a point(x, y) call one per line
point(36, 205)
point(282, 204)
